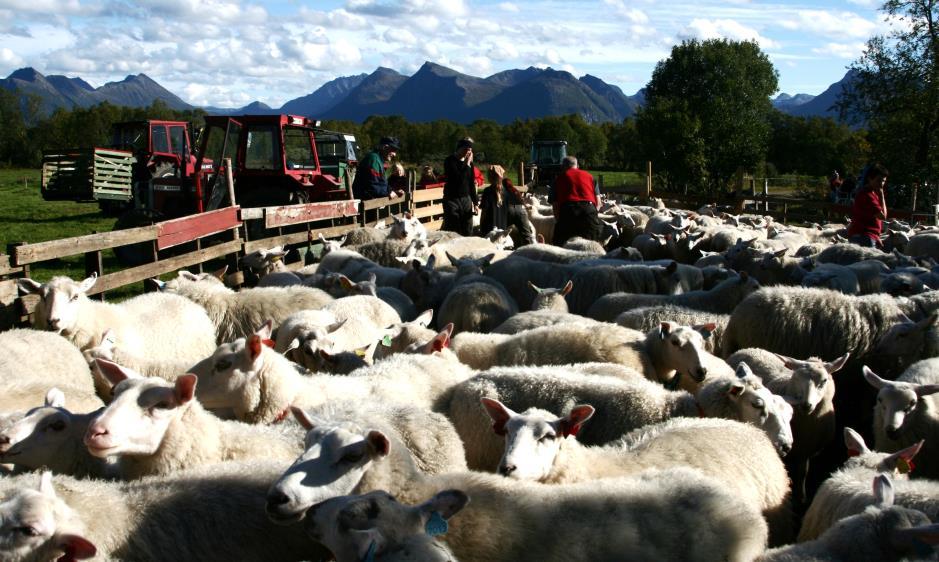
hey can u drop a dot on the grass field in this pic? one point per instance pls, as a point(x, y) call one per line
point(26, 217)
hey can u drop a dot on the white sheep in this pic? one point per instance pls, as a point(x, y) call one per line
point(647, 318)
point(515, 272)
point(847, 491)
point(210, 514)
point(237, 314)
point(153, 325)
point(50, 436)
point(744, 398)
point(881, 532)
point(722, 299)
point(357, 267)
point(532, 319)
point(809, 387)
point(407, 227)
point(905, 412)
point(400, 302)
point(639, 518)
point(32, 361)
point(376, 525)
point(593, 282)
point(624, 399)
point(543, 447)
point(550, 298)
point(555, 254)
point(155, 427)
point(167, 368)
point(268, 265)
point(924, 244)
point(543, 221)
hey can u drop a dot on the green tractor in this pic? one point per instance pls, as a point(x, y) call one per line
point(545, 163)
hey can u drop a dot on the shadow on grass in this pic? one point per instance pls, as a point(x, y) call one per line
point(51, 220)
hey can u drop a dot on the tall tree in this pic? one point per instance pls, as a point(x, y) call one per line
point(707, 112)
point(895, 89)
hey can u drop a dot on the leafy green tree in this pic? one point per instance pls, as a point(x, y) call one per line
point(895, 90)
point(707, 112)
point(815, 145)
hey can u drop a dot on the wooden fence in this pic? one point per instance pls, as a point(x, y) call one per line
point(226, 234)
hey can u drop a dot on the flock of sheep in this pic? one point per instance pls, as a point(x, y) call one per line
point(715, 387)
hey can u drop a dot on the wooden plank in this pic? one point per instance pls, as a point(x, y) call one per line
point(6, 267)
point(309, 212)
point(28, 304)
point(433, 225)
point(382, 203)
point(252, 213)
point(32, 253)
point(424, 212)
point(139, 273)
point(297, 237)
point(421, 195)
point(8, 292)
point(179, 231)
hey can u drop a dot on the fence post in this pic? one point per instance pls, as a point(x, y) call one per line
point(649, 179)
point(94, 265)
point(765, 195)
point(913, 205)
point(521, 172)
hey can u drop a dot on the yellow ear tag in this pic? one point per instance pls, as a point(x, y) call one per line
point(904, 466)
point(360, 352)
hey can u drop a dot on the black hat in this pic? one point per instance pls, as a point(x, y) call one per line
point(391, 142)
point(465, 142)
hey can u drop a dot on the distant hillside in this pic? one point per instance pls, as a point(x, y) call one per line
point(823, 104)
point(60, 91)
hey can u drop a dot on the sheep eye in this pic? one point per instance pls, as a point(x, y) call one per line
point(27, 531)
point(164, 405)
point(547, 437)
point(912, 405)
point(759, 403)
point(222, 365)
point(73, 299)
point(59, 425)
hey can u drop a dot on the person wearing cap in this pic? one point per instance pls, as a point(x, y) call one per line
point(575, 204)
point(370, 181)
point(460, 201)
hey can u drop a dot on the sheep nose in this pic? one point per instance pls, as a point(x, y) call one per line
point(784, 449)
point(276, 499)
point(507, 469)
point(54, 323)
point(95, 431)
point(4, 440)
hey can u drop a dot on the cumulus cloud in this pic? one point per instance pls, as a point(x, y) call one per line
point(826, 23)
point(509, 7)
point(633, 15)
point(726, 29)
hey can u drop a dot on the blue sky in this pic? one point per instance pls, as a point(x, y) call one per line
point(231, 52)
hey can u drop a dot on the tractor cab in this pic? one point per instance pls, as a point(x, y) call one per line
point(274, 162)
point(546, 161)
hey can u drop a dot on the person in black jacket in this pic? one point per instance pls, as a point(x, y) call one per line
point(460, 201)
point(501, 206)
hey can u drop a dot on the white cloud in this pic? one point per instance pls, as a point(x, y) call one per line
point(402, 36)
point(726, 29)
point(841, 50)
point(633, 15)
point(9, 59)
point(828, 24)
point(509, 7)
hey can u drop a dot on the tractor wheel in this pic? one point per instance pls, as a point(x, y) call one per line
point(136, 254)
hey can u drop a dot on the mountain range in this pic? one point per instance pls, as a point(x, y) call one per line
point(433, 92)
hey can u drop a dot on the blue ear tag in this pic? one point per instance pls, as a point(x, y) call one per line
point(386, 341)
point(370, 555)
point(436, 525)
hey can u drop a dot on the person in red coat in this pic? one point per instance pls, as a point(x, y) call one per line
point(869, 209)
point(575, 204)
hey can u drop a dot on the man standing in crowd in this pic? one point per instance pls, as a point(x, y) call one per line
point(575, 204)
point(370, 181)
point(460, 201)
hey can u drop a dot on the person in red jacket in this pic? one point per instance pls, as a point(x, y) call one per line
point(870, 208)
point(575, 204)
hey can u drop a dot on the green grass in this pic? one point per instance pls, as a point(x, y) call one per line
point(26, 217)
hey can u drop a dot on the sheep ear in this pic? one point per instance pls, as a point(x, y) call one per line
point(883, 490)
point(789, 362)
point(453, 261)
point(539, 238)
point(534, 287)
point(378, 443)
point(892, 462)
point(76, 547)
point(499, 412)
point(665, 328)
point(576, 419)
point(55, 398)
point(424, 318)
point(567, 288)
point(706, 330)
point(326, 356)
point(372, 278)
point(185, 389)
point(927, 322)
point(113, 372)
point(926, 389)
point(736, 389)
point(854, 443)
point(834, 366)
point(45, 483)
point(440, 341)
point(486, 260)
point(321, 237)
point(345, 282)
point(447, 503)
point(27, 286)
point(873, 379)
point(88, 283)
point(187, 275)
point(916, 538)
point(431, 262)
point(220, 273)
point(368, 542)
point(253, 347)
point(672, 268)
point(302, 417)
point(780, 253)
point(264, 332)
